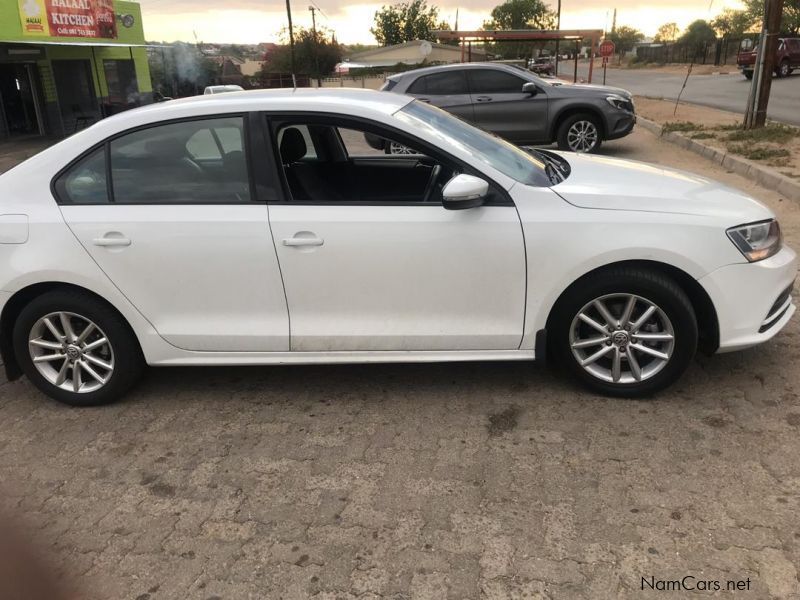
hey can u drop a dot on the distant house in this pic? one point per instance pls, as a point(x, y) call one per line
point(410, 53)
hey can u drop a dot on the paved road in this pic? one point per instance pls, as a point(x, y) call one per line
point(728, 92)
point(458, 482)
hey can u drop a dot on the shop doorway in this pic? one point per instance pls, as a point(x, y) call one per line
point(76, 94)
point(20, 105)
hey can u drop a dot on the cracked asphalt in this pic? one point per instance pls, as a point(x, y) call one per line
point(461, 481)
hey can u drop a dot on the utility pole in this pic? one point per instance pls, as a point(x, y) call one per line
point(291, 42)
point(614, 22)
point(316, 43)
point(772, 25)
point(558, 26)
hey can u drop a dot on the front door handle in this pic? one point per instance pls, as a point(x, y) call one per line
point(111, 240)
point(484, 99)
point(303, 241)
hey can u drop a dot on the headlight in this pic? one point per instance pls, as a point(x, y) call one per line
point(619, 102)
point(757, 241)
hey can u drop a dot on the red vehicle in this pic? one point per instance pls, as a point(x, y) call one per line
point(786, 60)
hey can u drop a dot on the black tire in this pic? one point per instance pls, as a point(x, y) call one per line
point(748, 74)
point(128, 359)
point(651, 285)
point(783, 69)
point(566, 124)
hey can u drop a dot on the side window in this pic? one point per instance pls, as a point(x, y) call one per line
point(358, 165)
point(361, 143)
point(419, 86)
point(489, 81)
point(85, 182)
point(191, 162)
point(443, 83)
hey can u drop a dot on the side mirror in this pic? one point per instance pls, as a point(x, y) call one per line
point(530, 88)
point(375, 141)
point(464, 191)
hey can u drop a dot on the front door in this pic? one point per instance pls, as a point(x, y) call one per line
point(372, 261)
point(181, 234)
point(503, 108)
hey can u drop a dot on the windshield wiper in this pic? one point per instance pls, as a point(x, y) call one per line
point(553, 168)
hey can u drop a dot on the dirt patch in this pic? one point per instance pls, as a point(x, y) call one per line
point(503, 422)
point(776, 145)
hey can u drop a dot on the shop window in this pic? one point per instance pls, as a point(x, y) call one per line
point(121, 80)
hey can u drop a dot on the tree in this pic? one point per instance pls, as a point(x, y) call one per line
point(405, 22)
point(732, 23)
point(308, 53)
point(518, 14)
point(790, 23)
point(698, 34)
point(625, 38)
point(668, 32)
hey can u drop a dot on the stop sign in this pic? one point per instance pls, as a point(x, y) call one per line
point(607, 48)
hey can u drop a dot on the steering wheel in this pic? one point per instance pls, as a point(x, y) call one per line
point(437, 169)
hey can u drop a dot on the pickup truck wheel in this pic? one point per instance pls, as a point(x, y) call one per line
point(783, 68)
point(748, 74)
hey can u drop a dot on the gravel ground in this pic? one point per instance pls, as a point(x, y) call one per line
point(485, 480)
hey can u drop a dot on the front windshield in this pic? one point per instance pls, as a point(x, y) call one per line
point(450, 131)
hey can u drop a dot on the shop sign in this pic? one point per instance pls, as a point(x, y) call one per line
point(68, 18)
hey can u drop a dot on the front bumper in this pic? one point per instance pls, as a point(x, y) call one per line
point(620, 124)
point(751, 299)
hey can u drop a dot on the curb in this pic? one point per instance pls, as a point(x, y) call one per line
point(764, 176)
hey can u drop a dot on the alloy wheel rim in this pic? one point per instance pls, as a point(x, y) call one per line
point(582, 136)
point(71, 352)
point(397, 148)
point(784, 69)
point(622, 338)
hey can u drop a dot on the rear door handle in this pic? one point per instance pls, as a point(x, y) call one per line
point(303, 241)
point(111, 241)
point(484, 99)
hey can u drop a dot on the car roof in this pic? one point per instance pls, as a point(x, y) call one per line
point(470, 65)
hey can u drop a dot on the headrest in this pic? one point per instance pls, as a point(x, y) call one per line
point(293, 146)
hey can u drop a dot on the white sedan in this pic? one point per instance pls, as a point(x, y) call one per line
point(261, 228)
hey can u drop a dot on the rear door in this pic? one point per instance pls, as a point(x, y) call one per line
point(500, 106)
point(446, 89)
point(181, 227)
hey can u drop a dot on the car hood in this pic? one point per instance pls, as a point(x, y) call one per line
point(600, 182)
point(580, 89)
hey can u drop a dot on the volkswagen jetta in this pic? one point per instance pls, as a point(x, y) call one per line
point(260, 228)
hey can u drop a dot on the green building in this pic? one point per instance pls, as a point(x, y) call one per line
point(67, 63)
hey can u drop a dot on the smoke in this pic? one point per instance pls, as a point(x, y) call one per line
point(186, 61)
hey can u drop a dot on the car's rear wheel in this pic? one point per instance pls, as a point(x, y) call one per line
point(579, 133)
point(76, 349)
point(748, 74)
point(624, 331)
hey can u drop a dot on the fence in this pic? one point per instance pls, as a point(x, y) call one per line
point(718, 52)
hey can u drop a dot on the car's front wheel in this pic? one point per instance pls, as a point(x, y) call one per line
point(76, 349)
point(579, 133)
point(783, 69)
point(624, 331)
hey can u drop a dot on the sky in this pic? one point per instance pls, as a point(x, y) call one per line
point(253, 21)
